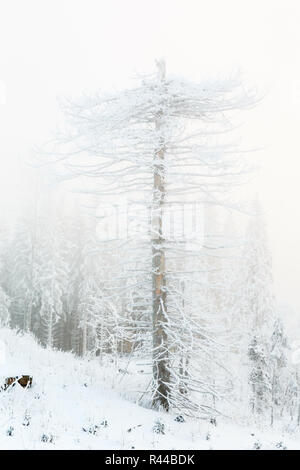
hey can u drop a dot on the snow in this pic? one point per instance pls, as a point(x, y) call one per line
point(78, 404)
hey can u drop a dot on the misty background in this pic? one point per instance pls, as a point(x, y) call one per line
point(68, 47)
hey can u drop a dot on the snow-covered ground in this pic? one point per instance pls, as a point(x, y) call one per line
point(76, 404)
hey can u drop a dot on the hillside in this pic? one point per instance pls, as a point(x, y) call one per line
point(76, 404)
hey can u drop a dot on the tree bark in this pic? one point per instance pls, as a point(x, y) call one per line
point(161, 369)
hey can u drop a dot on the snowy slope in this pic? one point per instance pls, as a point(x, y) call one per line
point(72, 405)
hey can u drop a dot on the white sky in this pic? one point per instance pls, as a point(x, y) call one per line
point(54, 47)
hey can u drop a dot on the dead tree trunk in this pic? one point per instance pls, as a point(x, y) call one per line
point(161, 370)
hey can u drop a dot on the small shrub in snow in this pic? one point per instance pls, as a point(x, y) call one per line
point(159, 427)
point(91, 429)
point(94, 428)
point(257, 445)
point(180, 419)
point(10, 431)
point(48, 438)
point(26, 421)
point(280, 446)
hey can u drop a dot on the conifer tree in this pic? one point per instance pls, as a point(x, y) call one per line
point(157, 143)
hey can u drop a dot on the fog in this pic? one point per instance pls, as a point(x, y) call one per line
point(55, 48)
